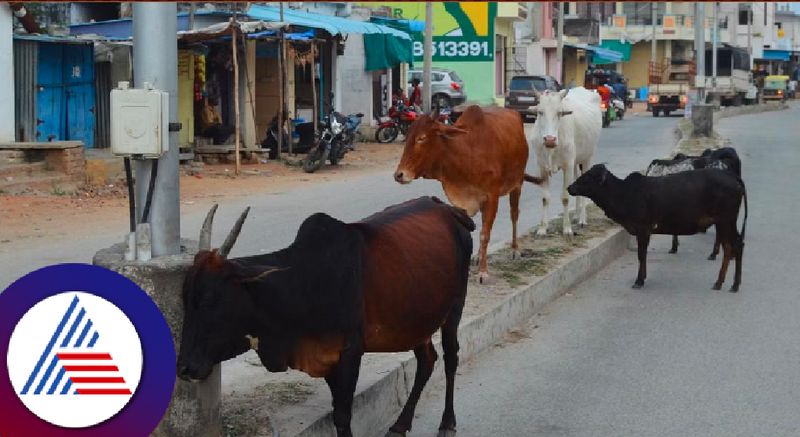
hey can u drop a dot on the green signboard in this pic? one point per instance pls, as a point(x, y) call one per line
point(462, 31)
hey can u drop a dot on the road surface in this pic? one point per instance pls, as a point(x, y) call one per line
point(672, 359)
point(274, 219)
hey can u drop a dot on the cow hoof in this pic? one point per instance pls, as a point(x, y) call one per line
point(712, 257)
point(637, 285)
point(483, 277)
point(446, 433)
point(514, 254)
point(541, 232)
point(568, 232)
point(673, 251)
point(734, 289)
point(717, 286)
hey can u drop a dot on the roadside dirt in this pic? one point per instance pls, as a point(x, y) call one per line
point(91, 208)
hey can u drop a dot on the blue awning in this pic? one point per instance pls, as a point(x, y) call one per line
point(776, 55)
point(304, 36)
point(606, 54)
point(330, 24)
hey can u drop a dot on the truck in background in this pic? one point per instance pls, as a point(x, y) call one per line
point(669, 86)
point(734, 84)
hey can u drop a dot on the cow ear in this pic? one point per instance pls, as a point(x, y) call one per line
point(532, 109)
point(604, 176)
point(451, 131)
point(262, 275)
point(563, 93)
point(564, 113)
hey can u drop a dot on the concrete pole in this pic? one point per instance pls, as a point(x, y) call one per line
point(427, 51)
point(750, 34)
point(700, 49)
point(155, 55)
point(653, 42)
point(560, 42)
point(282, 91)
point(7, 120)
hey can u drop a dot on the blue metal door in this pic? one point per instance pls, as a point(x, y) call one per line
point(65, 98)
point(79, 93)
point(50, 93)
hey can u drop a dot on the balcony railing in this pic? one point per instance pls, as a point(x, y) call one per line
point(680, 21)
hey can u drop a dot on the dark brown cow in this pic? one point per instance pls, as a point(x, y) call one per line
point(384, 284)
point(477, 160)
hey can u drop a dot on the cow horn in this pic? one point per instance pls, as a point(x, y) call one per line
point(205, 231)
point(226, 247)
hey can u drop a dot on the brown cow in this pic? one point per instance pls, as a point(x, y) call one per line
point(384, 284)
point(477, 160)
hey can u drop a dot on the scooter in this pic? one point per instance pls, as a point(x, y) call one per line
point(619, 107)
point(609, 113)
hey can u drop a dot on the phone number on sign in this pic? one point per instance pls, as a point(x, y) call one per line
point(455, 48)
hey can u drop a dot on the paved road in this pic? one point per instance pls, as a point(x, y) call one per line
point(274, 219)
point(672, 359)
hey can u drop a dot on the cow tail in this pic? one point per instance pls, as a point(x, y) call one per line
point(744, 222)
point(532, 179)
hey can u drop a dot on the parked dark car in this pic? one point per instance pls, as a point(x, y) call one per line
point(520, 94)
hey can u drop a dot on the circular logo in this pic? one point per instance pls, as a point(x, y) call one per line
point(78, 369)
point(88, 353)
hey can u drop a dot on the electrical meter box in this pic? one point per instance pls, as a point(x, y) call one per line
point(139, 121)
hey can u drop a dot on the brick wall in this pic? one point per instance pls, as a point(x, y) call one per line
point(70, 161)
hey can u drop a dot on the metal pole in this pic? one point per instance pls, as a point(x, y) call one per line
point(714, 43)
point(653, 42)
point(156, 62)
point(560, 42)
point(700, 49)
point(427, 51)
point(281, 90)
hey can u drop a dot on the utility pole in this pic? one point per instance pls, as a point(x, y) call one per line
point(156, 62)
point(560, 42)
point(700, 49)
point(714, 44)
point(653, 41)
point(427, 52)
point(750, 34)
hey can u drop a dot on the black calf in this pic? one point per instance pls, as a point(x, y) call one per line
point(679, 204)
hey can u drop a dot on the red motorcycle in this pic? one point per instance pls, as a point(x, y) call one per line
point(401, 116)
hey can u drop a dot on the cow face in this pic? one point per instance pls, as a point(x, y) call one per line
point(426, 143)
point(590, 183)
point(217, 309)
point(217, 314)
point(548, 116)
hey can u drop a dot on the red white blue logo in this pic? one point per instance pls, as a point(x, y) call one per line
point(90, 355)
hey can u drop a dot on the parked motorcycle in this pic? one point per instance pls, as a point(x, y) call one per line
point(306, 140)
point(336, 137)
point(344, 140)
point(401, 117)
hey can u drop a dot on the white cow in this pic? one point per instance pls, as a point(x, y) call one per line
point(564, 137)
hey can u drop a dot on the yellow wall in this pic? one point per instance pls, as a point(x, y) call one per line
point(186, 98)
point(573, 68)
point(268, 93)
point(636, 69)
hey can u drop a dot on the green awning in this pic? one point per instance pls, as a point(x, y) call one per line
point(617, 46)
point(386, 51)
